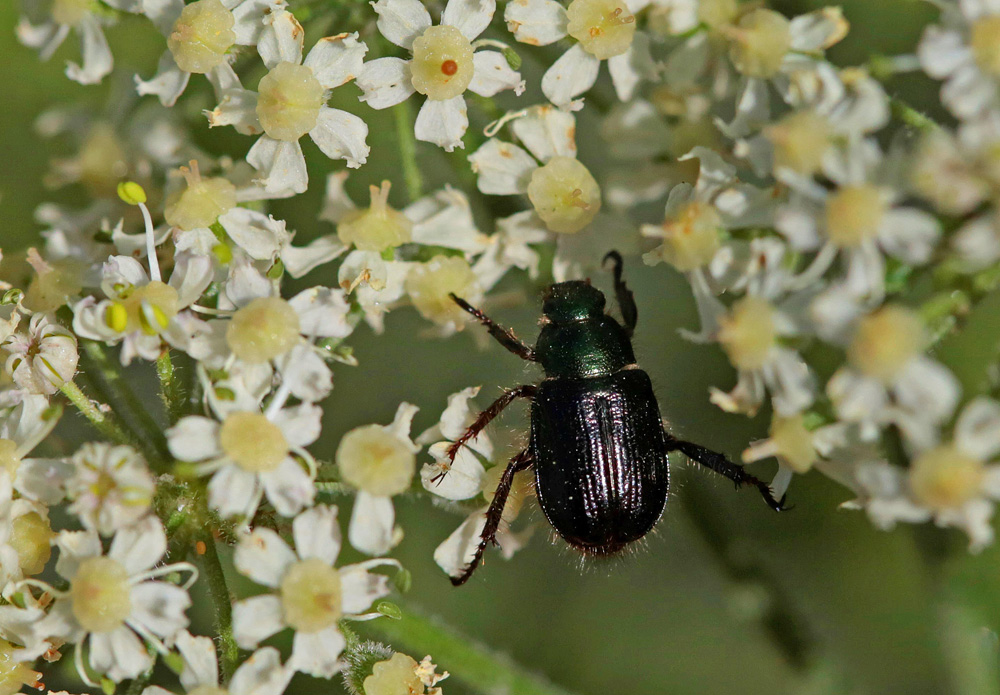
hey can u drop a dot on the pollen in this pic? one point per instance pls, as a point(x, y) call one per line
point(748, 332)
point(101, 594)
point(691, 237)
point(311, 596)
point(793, 443)
point(262, 330)
point(886, 341)
point(605, 28)
point(31, 538)
point(945, 478)
point(442, 66)
point(800, 141)
point(854, 214)
point(148, 308)
point(201, 202)
point(564, 194)
point(289, 100)
point(374, 460)
point(201, 36)
point(429, 285)
point(251, 440)
point(377, 227)
point(759, 43)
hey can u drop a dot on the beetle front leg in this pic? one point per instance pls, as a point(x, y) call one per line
point(720, 464)
point(623, 295)
point(494, 514)
point(504, 336)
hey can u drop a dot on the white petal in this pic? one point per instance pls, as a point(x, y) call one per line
point(299, 424)
point(336, 203)
point(459, 549)
point(288, 488)
point(401, 21)
point(928, 389)
point(281, 39)
point(162, 13)
point(385, 82)
point(191, 276)
point(341, 135)
point(233, 491)
point(322, 312)
point(503, 169)
point(977, 431)
point(260, 235)
point(402, 422)
point(443, 122)
point(43, 480)
point(238, 108)
point(941, 52)
point(263, 556)
point(445, 219)
point(547, 131)
point(631, 67)
point(299, 260)
point(458, 414)
point(245, 282)
point(119, 654)
point(318, 653)
point(573, 74)
point(167, 84)
point(261, 674)
point(372, 528)
point(255, 619)
point(159, 607)
point(317, 534)
point(461, 480)
point(201, 666)
point(536, 22)
point(249, 16)
point(790, 382)
point(361, 588)
point(74, 548)
point(46, 38)
point(281, 164)
point(336, 60)
point(909, 234)
point(97, 60)
point(817, 31)
point(471, 17)
point(493, 75)
point(856, 398)
point(139, 547)
point(194, 438)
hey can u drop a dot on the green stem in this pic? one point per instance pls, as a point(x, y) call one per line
point(103, 421)
point(474, 664)
point(910, 116)
point(170, 387)
point(221, 598)
point(403, 114)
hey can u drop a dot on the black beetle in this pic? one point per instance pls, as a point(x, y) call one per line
point(598, 445)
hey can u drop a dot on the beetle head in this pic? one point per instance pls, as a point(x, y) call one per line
point(572, 301)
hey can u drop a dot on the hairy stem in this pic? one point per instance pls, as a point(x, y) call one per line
point(170, 387)
point(474, 664)
point(403, 115)
point(98, 414)
point(222, 600)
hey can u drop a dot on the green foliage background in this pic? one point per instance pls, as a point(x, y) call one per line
point(726, 597)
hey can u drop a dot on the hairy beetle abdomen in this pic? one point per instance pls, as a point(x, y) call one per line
point(600, 458)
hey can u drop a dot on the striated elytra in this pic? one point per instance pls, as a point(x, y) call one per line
point(598, 446)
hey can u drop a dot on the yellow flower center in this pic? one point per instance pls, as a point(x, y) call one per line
point(311, 595)
point(9, 460)
point(101, 160)
point(251, 440)
point(429, 284)
point(759, 43)
point(395, 676)
point(794, 443)
point(604, 28)
point(376, 461)
point(442, 63)
point(945, 478)
point(262, 330)
point(985, 42)
point(200, 203)
point(148, 308)
point(854, 214)
point(101, 594)
point(800, 140)
point(717, 13)
point(691, 239)
point(886, 341)
point(377, 227)
point(70, 12)
point(288, 102)
point(748, 332)
point(201, 36)
point(564, 194)
point(31, 537)
point(14, 674)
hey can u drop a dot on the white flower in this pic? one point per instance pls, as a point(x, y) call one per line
point(953, 482)
point(249, 455)
point(603, 29)
point(262, 673)
point(111, 486)
point(444, 64)
point(310, 595)
point(114, 602)
point(43, 358)
point(23, 426)
point(378, 461)
point(290, 102)
point(25, 535)
point(63, 15)
point(463, 478)
point(199, 38)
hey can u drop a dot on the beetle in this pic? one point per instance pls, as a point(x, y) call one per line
point(598, 446)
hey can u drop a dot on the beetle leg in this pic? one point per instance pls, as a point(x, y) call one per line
point(488, 415)
point(624, 296)
point(494, 514)
point(504, 336)
point(720, 464)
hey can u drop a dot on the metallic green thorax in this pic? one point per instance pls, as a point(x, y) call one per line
point(579, 340)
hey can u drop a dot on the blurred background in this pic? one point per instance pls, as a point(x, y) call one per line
point(726, 596)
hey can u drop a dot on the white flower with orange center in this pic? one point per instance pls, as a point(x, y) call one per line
point(290, 102)
point(445, 63)
point(379, 461)
point(309, 594)
point(114, 603)
point(200, 38)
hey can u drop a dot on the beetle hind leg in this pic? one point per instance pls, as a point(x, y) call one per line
point(718, 463)
point(494, 514)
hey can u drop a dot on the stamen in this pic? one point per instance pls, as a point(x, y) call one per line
point(575, 200)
